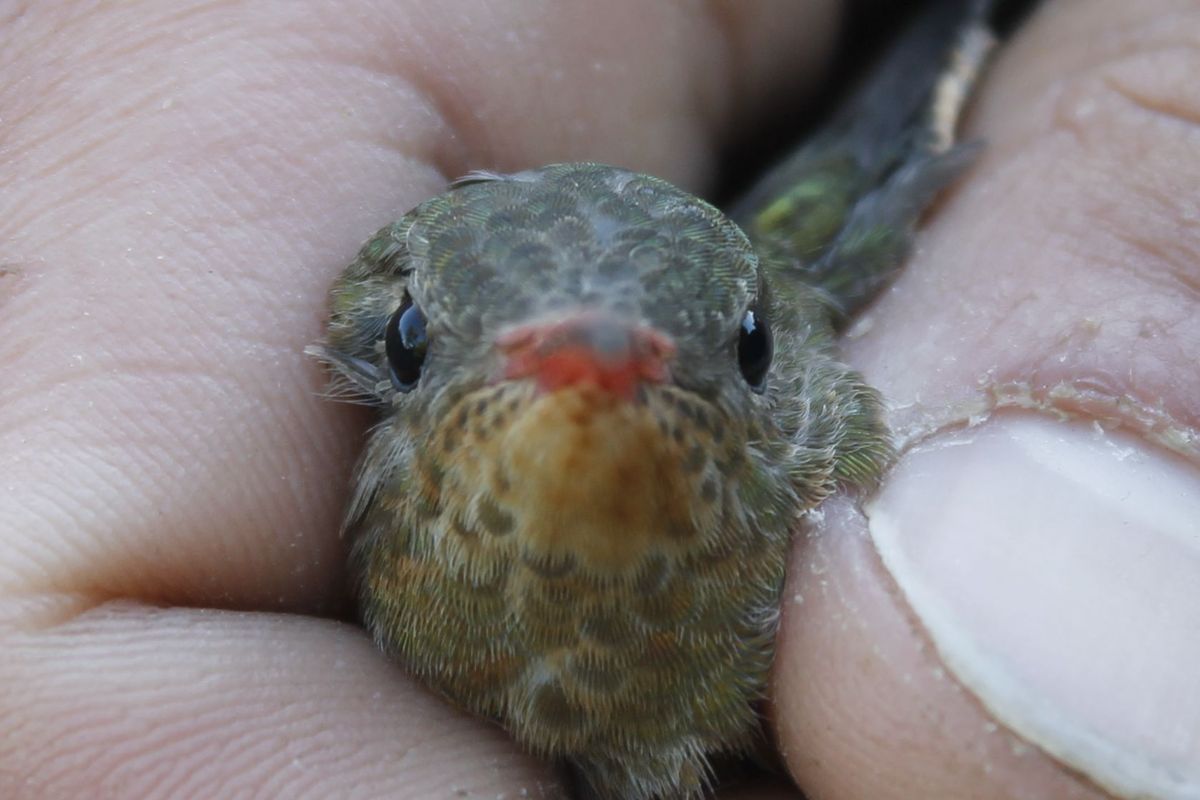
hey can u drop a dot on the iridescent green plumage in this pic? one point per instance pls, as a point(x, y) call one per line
point(601, 573)
point(839, 213)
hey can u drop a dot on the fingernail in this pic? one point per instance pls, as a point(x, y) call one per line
point(1056, 567)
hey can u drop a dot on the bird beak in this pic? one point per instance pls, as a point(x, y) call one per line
point(586, 348)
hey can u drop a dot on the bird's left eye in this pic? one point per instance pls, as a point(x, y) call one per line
point(405, 343)
point(755, 349)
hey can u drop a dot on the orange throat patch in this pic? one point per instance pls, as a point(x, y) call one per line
point(585, 475)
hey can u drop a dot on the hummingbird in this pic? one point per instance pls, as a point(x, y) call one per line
point(604, 406)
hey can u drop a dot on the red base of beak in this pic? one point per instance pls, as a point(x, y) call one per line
point(587, 349)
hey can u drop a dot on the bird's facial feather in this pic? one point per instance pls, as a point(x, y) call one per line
point(492, 255)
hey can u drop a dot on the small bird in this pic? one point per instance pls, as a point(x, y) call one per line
point(604, 405)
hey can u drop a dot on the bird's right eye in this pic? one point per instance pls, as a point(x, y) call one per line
point(756, 347)
point(405, 343)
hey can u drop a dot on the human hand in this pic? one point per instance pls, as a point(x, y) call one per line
point(181, 185)
point(1018, 618)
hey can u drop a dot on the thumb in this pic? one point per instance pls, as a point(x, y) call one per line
point(1015, 616)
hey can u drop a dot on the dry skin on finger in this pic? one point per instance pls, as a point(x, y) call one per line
point(1057, 283)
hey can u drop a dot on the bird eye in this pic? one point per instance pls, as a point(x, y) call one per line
point(405, 343)
point(754, 350)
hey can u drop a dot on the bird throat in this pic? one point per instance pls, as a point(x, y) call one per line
point(588, 477)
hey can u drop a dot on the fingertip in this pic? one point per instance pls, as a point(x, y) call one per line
point(864, 706)
point(129, 701)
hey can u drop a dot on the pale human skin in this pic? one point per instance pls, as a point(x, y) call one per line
point(180, 184)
